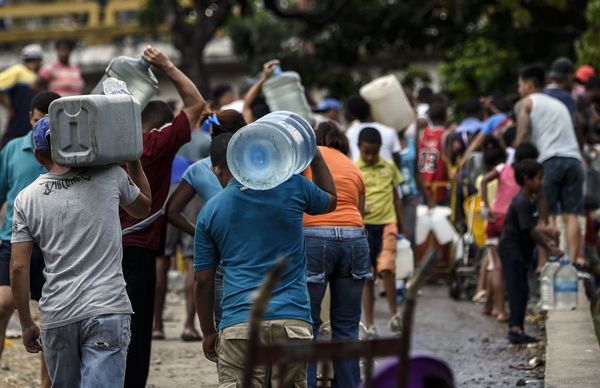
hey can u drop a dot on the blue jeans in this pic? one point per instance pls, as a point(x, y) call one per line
point(339, 256)
point(90, 353)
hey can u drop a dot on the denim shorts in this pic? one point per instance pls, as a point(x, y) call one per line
point(337, 251)
point(563, 185)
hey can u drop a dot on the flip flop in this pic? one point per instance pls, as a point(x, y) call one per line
point(192, 336)
point(158, 335)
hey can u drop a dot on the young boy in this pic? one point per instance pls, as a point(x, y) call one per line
point(383, 217)
point(520, 236)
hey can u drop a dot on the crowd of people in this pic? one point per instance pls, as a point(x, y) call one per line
point(94, 245)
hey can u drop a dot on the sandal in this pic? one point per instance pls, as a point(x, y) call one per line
point(191, 336)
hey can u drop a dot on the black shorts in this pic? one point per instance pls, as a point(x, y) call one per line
point(36, 269)
point(563, 185)
point(375, 239)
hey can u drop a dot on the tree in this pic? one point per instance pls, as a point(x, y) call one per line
point(587, 47)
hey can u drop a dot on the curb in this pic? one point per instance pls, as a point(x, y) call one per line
point(572, 350)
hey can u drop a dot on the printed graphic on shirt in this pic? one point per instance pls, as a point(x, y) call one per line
point(53, 185)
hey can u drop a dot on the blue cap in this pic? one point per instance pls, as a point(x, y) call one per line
point(329, 103)
point(41, 134)
point(469, 125)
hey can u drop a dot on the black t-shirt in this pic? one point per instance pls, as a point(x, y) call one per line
point(521, 218)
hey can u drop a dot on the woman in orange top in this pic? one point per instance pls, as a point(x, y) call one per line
point(338, 252)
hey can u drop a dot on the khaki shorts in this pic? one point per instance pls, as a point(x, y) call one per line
point(232, 351)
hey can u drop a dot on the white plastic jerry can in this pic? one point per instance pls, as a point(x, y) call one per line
point(389, 104)
point(95, 130)
point(405, 263)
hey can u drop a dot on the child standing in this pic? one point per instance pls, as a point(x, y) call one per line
point(383, 215)
point(519, 238)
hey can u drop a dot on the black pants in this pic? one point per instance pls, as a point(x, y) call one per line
point(139, 270)
point(517, 286)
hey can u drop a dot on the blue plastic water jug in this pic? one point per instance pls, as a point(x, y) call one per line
point(267, 152)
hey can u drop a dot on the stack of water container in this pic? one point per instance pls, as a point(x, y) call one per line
point(105, 127)
point(558, 285)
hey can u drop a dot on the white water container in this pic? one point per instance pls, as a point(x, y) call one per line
point(95, 130)
point(405, 263)
point(547, 283)
point(565, 286)
point(389, 104)
point(284, 92)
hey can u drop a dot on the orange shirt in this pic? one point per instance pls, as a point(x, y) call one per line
point(349, 185)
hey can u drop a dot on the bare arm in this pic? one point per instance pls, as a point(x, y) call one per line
point(487, 178)
point(180, 198)
point(139, 208)
point(204, 299)
point(19, 283)
point(523, 110)
point(323, 179)
point(268, 69)
point(546, 242)
point(193, 102)
point(361, 205)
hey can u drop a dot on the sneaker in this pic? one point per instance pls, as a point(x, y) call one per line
point(372, 333)
point(395, 324)
point(520, 338)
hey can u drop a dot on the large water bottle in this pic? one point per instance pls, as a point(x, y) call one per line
point(284, 92)
point(405, 264)
point(136, 73)
point(565, 286)
point(547, 283)
point(267, 152)
point(389, 104)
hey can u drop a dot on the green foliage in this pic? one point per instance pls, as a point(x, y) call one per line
point(478, 67)
point(587, 46)
point(413, 76)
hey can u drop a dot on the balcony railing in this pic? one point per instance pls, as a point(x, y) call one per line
point(83, 20)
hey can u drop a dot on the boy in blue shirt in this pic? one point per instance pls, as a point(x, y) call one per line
point(247, 231)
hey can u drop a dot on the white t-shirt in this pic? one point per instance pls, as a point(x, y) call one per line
point(390, 143)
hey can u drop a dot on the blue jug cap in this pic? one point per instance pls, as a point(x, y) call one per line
point(277, 70)
point(400, 236)
point(565, 260)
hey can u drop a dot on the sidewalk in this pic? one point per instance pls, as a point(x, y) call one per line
point(572, 351)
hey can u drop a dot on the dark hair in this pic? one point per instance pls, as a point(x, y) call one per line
point(526, 151)
point(424, 94)
point(70, 43)
point(593, 83)
point(219, 91)
point(42, 101)
point(358, 107)
point(328, 134)
point(260, 108)
point(526, 169)
point(534, 73)
point(369, 135)
point(437, 112)
point(229, 121)
point(157, 113)
point(493, 152)
point(509, 135)
point(471, 107)
point(218, 150)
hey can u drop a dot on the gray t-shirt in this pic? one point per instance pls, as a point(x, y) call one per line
point(74, 218)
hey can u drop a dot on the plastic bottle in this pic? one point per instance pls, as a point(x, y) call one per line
point(267, 152)
point(136, 73)
point(547, 283)
point(284, 91)
point(404, 259)
point(565, 286)
point(389, 104)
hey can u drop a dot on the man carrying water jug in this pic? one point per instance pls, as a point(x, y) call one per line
point(143, 240)
point(72, 215)
point(247, 231)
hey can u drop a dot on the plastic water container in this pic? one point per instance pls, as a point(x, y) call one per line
point(547, 283)
point(389, 104)
point(565, 286)
point(284, 92)
point(136, 73)
point(95, 130)
point(267, 152)
point(405, 264)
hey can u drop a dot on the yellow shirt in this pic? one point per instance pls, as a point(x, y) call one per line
point(380, 182)
point(16, 75)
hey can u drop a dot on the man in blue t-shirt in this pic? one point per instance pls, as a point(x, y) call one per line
point(247, 231)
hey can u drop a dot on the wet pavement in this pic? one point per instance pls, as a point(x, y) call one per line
point(474, 346)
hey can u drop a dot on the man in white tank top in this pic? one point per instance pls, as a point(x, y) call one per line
point(546, 122)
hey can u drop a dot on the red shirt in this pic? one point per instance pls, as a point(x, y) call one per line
point(432, 165)
point(160, 147)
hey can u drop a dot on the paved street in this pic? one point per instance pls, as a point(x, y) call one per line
point(473, 345)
